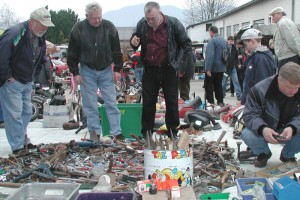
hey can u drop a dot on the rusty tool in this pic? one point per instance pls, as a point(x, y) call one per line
point(221, 137)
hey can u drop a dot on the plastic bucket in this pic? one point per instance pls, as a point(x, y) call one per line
point(166, 165)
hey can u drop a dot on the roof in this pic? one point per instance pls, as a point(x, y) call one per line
point(250, 3)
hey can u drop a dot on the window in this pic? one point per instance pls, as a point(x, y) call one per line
point(222, 32)
point(245, 24)
point(235, 27)
point(207, 27)
point(259, 22)
point(228, 31)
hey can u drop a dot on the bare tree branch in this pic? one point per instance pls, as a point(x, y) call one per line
point(7, 17)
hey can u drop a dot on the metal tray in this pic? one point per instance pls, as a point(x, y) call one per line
point(46, 191)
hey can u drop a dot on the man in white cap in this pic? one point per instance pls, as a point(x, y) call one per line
point(286, 38)
point(259, 65)
point(22, 50)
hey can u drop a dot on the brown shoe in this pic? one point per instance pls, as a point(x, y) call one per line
point(262, 160)
point(283, 159)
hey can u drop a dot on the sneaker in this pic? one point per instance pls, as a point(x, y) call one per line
point(283, 159)
point(262, 160)
point(119, 138)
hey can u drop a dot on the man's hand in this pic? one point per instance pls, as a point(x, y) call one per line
point(287, 133)
point(117, 76)
point(135, 41)
point(77, 81)
point(208, 73)
point(268, 135)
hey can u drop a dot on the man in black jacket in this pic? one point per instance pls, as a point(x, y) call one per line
point(165, 50)
point(94, 43)
point(231, 69)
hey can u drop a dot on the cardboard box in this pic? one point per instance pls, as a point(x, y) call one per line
point(131, 98)
point(277, 171)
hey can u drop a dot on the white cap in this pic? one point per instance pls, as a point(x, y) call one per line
point(276, 10)
point(43, 16)
point(251, 33)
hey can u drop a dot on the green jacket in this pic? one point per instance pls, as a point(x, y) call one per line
point(97, 47)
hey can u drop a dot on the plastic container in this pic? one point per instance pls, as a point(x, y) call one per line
point(248, 183)
point(286, 188)
point(176, 164)
point(220, 196)
point(131, 116)
point(106, 196)
point(46, 191)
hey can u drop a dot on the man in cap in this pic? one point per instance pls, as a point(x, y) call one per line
point(271, 115)
point(260, 63)
point(286, 38)
point(22, 50)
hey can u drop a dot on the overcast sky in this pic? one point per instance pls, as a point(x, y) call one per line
point(22, 8)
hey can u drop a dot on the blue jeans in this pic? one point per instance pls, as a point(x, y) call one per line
point(92, 80)
point(17, 109)
point(235, 81)
point(138, 72)
point(259, 145)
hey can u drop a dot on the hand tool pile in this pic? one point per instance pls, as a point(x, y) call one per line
point(215, 166)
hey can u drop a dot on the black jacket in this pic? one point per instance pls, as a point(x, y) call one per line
point(97, 47)
point(232, 60)
point(16, 55)
point(179, 44)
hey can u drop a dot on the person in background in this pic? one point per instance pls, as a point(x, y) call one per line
point(165, 50)
point(231, 65)
point(138, 66)
point(125, 57)
point(22, 50)
point(241, 59)
point(260, 63)
point(214, 67)
point(95, 44)
point(286, 38)
point(184, 82)
point(272, 115)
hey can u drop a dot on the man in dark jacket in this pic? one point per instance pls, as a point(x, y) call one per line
point(272, 115)
point(95, 44)
point(22, 50)
point(260, 64)
point(231, 72)
point(165, 50)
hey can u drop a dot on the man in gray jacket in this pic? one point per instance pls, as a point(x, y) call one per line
point(214, 66)
point(286, 38)
point(272, 115)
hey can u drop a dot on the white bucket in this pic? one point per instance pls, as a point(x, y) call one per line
point(165, 165)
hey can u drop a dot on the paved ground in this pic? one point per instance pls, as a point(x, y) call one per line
point(54, 135)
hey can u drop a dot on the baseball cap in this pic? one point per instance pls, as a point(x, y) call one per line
point(251, 33)
point(276, 10)
point(43, 16)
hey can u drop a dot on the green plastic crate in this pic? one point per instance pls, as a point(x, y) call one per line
point(220, 196)
point(131, 117)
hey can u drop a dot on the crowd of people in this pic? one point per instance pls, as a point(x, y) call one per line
point(266, 80)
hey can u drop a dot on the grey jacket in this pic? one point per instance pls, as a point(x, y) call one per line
point(213, 54)
point(263, 109)
point(286, 39)
point(179, 44)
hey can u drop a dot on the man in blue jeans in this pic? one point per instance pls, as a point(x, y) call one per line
point(22, 50)
point(231, 69)
point(272, 115)
point(94, 43)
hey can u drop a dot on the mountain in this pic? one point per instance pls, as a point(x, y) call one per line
point(130, 15)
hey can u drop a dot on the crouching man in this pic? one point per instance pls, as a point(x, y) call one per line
point(272, 115)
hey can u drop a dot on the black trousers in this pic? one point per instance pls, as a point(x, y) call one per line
point(184, 87)
point(295, 59)
point(154, 78)
point(214, 84)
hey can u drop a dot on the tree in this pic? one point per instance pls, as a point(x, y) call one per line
point(7, 17)
point(63, 20)
point(202, 10)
